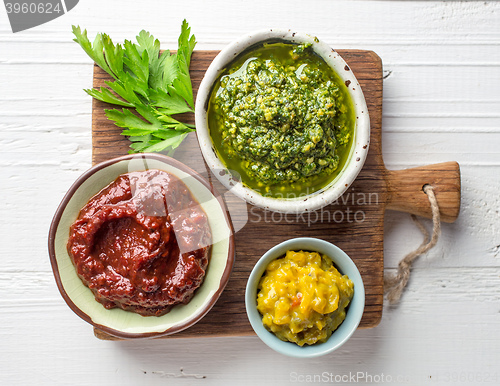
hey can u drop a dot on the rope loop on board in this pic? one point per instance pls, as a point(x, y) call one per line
point(394, 284)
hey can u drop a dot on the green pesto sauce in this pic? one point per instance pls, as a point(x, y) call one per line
point(282, 119)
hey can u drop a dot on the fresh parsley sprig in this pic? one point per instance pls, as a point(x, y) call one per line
point(151, 87)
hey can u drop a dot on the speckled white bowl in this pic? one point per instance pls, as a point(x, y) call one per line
point(361, 139)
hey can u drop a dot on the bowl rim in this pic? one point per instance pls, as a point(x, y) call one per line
point(359, 150)
point(57, 218)
point(353, 316)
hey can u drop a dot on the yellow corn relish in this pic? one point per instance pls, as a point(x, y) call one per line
point(302, 297)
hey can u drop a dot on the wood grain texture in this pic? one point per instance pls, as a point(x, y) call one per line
point(354, 222)
point(406, 193)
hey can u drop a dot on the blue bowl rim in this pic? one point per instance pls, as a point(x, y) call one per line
point(354, 313)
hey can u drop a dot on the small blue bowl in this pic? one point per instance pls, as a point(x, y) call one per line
point(354, 311)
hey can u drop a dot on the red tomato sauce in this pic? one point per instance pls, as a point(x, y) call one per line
point(142, 243)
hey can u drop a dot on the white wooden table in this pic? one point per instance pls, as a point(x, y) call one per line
point(441, 103)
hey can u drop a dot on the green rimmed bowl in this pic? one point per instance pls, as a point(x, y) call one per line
point(125, 324)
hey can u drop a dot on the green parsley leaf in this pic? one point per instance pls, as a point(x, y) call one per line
point(137, 64)
point(126, 118)
point(113, 55)
point(186, 46)
point(171, 143)
point(170, 70)
point(107, 96)
point(169, 104)
point(95, 52)
point(148, 43)
point(152, 86)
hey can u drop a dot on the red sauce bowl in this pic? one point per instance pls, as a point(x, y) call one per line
point(118, 322)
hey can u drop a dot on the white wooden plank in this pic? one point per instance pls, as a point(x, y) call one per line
point(438, 307)
point(441, 102)
point(403, 51)
point(475, 232)
point(360, 18)
point(408, 147)
point(412, 104)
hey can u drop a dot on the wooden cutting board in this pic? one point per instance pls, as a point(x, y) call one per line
point(355, 222)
